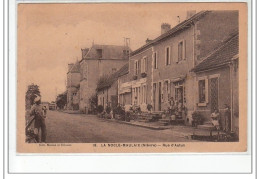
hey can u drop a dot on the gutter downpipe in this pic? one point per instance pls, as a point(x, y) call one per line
point(231, 91)
point(153, 105)
point(193, 62)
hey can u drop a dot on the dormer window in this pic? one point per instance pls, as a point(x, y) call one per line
point(126, 52)
point(99, 53)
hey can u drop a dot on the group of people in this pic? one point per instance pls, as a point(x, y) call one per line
point(215, 119)
point(38, 113)
point(175, 107)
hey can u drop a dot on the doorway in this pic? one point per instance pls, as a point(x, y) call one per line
point(213, 94)
point(160, 97)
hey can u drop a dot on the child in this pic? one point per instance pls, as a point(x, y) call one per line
point(215, 119)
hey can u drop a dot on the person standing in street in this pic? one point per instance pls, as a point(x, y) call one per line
point(227, 118)
point(39, 119)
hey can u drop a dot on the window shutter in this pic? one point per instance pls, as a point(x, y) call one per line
point(184, 50)
point(139, 66)
point(197, 91)
point(146, 64)
point(207, 90)
point(165, 56)
point(169, 55)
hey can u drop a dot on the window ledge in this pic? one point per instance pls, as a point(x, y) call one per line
point(181, 61)
point(202, 104)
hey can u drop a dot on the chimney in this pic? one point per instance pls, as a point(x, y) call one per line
point(190, 13)
point(84, 52)
point(148, 40)
point(70, 65)
point(165, 27)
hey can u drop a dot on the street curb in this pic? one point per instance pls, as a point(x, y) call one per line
point(143, 126)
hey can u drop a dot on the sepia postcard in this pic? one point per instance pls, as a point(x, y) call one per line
point(132, 77)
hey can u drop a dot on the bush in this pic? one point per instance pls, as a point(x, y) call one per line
point(143, 75)
point(135, 77)
point(149, 107)
point(108, 109)
point(197, 118)
point(100, 108)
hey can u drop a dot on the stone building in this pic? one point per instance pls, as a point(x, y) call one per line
point(161, 68)
point(217, 81)
point(98, 61)
point(73, 82)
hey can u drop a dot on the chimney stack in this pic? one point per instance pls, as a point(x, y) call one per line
point(70, 65)
point(190, 13)
point(148, 40)
point(165, 27)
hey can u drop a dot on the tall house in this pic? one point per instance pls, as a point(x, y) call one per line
point(97, 61)
point(73, 82)
point(161, 69)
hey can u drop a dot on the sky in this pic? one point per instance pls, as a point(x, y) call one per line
point(51, 35)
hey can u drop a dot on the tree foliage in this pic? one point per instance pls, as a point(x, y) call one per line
point(31, 93)
point(93, 102)
point(61, 100)
point(104, 81)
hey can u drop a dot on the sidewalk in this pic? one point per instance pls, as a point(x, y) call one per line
point(71, 111)
point(179, 130)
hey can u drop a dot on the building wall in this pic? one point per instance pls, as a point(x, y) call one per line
point(148, 53)
point(224, 91)
point(71, 97)
point(176, 68)
point(199, 39)
point(105, 95)
point(93, 70)
point(212, 29)
point(235, 83)
point(124, 98)
point(73, 81)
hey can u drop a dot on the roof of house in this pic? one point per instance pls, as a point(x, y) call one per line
point(75, 68)
point(183, 25)
point(221, 56)
point(108, 52)
point(107, 81)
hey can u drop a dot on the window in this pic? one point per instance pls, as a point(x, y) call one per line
point(136, 67)
point(139, 66)
point(166, 90)
point(155, 63)
point(202, 91)
point(144, 65)
point(181, 50)
point(167, 56)
point(143, 94)
point(99, 53)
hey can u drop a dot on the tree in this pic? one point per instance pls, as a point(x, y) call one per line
point(31, 93)
point(93, 101)
point(61, 100)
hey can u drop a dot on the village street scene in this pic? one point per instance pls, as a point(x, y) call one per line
point(181, 86)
